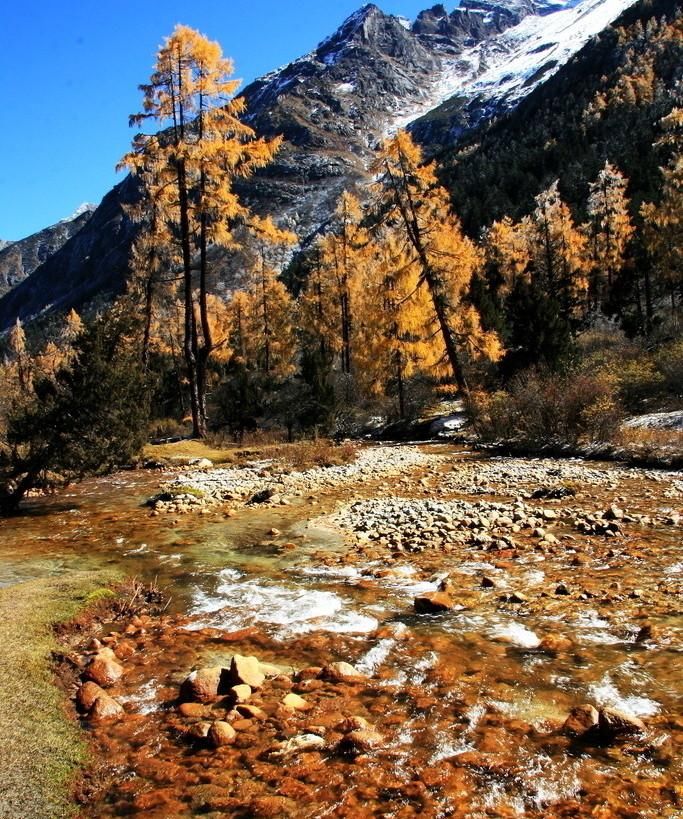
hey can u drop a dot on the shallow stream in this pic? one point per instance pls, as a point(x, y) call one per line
point(469, 703)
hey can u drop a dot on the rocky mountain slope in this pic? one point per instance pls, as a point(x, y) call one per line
point(444, 73)
point(19, 259)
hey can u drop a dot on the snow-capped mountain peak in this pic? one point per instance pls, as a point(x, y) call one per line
point(85, 207)
point(496, 71)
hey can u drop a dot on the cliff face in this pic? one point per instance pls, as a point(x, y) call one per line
point(441, 75)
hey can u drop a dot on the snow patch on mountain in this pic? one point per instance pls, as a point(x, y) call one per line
point(504, 69)
point(85, 207)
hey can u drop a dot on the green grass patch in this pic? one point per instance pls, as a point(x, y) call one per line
point(42, 748)
point(187, 490)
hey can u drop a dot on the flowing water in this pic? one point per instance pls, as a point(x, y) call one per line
point(469, 703)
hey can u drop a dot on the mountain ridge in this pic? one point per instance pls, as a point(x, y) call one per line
point(333, 105)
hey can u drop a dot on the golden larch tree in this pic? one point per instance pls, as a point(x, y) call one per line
point(610, 228)
point(204, 148)
point(409, 198)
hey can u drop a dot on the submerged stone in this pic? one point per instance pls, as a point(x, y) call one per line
point(433, 603)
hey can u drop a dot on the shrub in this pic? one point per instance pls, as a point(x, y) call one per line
point(541, 407)
point(669, 360)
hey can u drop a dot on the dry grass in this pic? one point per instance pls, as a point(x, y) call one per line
point(184, 451)
point(304, 455)
point(651, 440)
point(297, 456)
point(41, 747)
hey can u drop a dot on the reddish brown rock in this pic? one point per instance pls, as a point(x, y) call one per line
point(221, 734)
point(341, 672)
point(203, 685)
point(350, 724)
point(199, 731)
point(361, 742)
point(87, 694)
point(615, 723)
point(581, 720)
point(433, 603)
point(193, 710)
point(104, 708)
point(252, 712)
point(555, 644)
point(124, 650)
point(294, 702)
point(311, 673)
point(103, 670)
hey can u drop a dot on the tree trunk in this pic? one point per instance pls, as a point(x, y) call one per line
point(190, 329)
point(399, 378)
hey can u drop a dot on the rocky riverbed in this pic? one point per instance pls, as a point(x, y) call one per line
point(425, 631)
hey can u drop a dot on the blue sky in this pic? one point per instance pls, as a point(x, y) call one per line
point(70, 71)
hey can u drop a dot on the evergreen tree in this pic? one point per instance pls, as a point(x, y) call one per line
point(89, 418)
point(664, 221)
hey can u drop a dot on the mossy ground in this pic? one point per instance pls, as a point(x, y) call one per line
point(41, 747)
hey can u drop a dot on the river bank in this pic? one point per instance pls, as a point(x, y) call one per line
point(43, 749)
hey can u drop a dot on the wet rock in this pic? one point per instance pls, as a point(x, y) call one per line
point(298, 745)
point(251, 712)
point(307, 674)
point(350, 724)
point(221, 734)
point(124, 650)
point(104, 708)
point(262, 497)
point(295, 703)
point(582, 720)
point(202, 685)
point(433, 603)
point(555, 644)
point(360, 742)
point(87, 694)
point(103, 670)
point(614, 723)
point(646, 633)
point(246, 671)
point(199, 731)
point(193, 710)
point(341, 672)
